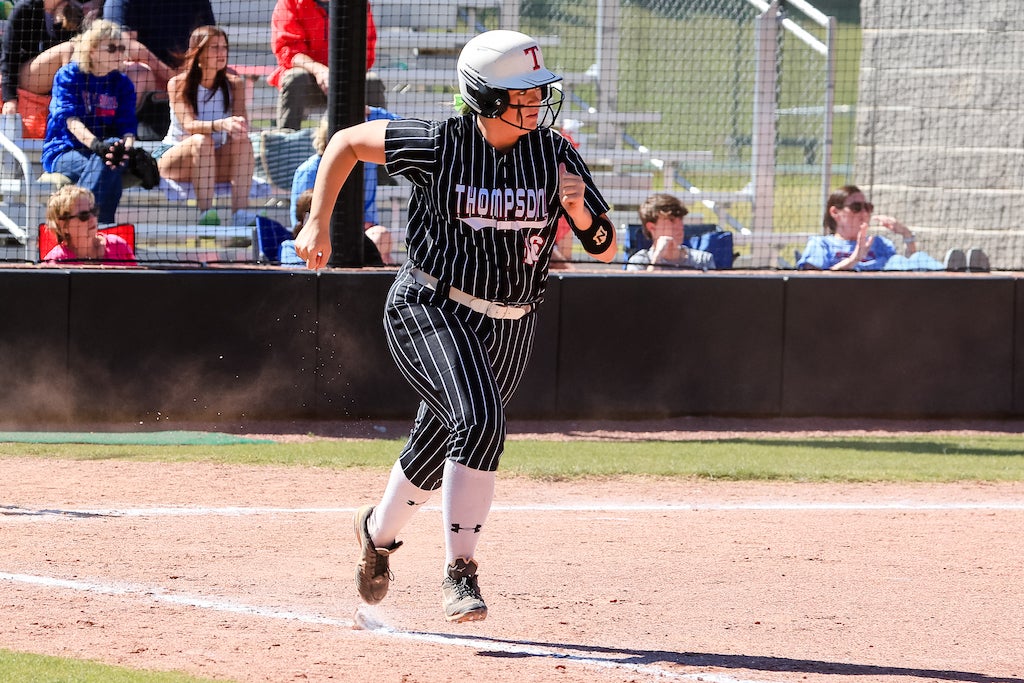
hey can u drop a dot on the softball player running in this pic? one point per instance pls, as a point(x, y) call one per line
point(488, 189)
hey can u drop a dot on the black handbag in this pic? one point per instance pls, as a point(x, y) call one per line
point(154, 115)
point(143, 166)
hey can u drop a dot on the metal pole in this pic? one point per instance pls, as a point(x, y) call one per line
point(796, 29)
point(608, 30)
point(830, 98)
point(346, 106)
point(763, 135)
point(510, 15)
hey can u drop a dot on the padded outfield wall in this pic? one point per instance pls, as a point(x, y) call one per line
point(236, 345)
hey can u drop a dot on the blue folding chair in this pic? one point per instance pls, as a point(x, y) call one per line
point(703, 236)
point(270, 234)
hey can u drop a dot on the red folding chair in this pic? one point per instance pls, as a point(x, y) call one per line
point(47, 240)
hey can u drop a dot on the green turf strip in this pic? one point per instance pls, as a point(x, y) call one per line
point(17, 667)
point(168, 438)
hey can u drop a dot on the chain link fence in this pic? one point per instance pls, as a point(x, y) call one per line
point(724, 103)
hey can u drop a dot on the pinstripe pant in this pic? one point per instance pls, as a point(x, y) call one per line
point(465, 368)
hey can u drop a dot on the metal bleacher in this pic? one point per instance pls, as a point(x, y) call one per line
point(24, 189)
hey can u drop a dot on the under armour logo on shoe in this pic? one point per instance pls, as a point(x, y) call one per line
point(456, 528)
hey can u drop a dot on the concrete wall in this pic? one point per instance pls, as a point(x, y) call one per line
point(940, 144)
point(171, 345)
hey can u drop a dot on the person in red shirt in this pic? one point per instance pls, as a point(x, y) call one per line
point(299, 31)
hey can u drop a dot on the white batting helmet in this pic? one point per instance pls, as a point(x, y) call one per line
point(495, 62)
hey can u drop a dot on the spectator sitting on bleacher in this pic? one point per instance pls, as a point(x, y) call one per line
point(159, 33)
point(661, 216)
point(298, 37)
point(305, 177)
point(37, 42)
point(300, 212)
point(372, 254)
point(71, 217)
point(849, 246)
point(208, 139)
point(91, 126)
point(163, 27)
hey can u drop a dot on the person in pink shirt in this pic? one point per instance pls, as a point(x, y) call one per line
point(71, 216)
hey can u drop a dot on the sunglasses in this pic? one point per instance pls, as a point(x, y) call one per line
point(82, 215)
point(114, 47)
point(857, 207)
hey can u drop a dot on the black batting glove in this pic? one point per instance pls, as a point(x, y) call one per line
point(100, 147)
point(117, 153)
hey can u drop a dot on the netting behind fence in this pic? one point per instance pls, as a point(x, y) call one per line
point(748, 112)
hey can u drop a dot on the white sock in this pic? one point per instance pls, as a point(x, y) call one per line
point(400, 502)
point(466, 496)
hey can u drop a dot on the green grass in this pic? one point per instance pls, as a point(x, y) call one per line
point(907, 458)
point(16, 667)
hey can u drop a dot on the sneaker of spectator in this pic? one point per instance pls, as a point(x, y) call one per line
point(955, 261)
point(209, 217)
point(977, 261)
point(244, 217)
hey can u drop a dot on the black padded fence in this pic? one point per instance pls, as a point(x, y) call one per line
point(165, 346)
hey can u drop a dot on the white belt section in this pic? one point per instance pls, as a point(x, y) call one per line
point(492, 309)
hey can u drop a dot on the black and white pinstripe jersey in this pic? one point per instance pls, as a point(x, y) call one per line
point(480, 219)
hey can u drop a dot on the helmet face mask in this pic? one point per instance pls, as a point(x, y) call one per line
point(495, 62)
point(551, 98)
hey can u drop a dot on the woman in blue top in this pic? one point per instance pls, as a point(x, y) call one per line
point(848, 246)
point(92, 123)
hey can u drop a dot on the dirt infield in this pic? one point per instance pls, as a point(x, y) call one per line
point(244, 573)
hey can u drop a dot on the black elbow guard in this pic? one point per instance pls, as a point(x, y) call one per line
point(597, 239)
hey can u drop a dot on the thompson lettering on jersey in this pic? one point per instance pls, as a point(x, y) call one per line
point(505, 208)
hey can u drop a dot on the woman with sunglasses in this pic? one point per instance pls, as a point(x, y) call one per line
point(40, 39)
point(71, 217)
point(92, 123)
point(850, 246)
point(208, 139)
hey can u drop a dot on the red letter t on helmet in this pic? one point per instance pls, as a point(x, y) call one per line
point(532, 51)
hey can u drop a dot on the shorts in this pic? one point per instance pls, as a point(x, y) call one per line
point(161, 150)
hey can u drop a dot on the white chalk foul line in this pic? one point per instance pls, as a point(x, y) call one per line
point(779, 506)
point(161, 595)
point(366, 619)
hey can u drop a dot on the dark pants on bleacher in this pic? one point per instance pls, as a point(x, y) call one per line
point(300, 93)
point(90, 171)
